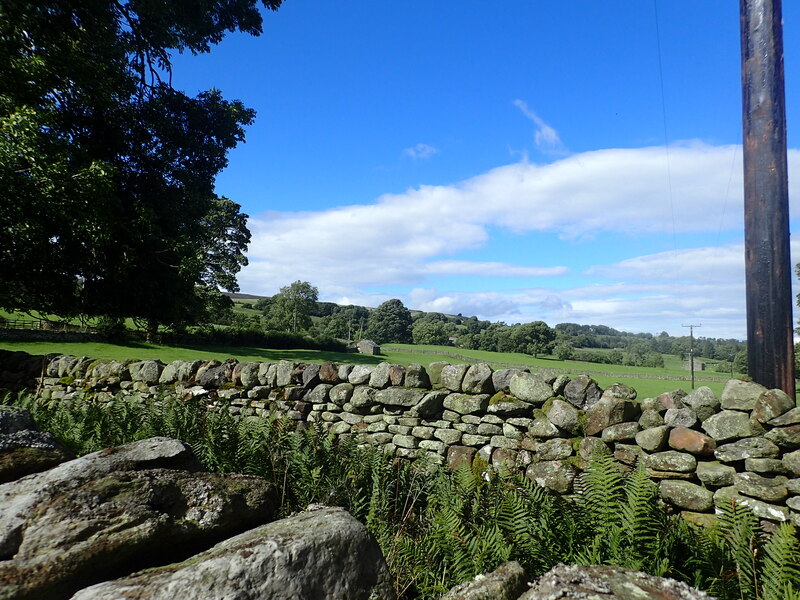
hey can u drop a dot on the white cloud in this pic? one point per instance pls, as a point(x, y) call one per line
point(489, 269)
point(372, 252)
point(420, 151)
point(546, 138)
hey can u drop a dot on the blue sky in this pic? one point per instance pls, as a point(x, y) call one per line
point(566, 161)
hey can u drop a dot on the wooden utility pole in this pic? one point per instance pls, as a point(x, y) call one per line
point(770, 352)
point(691, 348)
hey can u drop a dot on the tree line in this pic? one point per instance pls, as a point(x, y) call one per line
point(297, 309)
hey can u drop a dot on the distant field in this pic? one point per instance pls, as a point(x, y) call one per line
point(644, 380)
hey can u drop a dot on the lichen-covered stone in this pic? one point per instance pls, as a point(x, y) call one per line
point(680, 417)
point(670, 460)
point(686, 495)
point(554, 449)
point(379, 378)
point(322, 553)
point(510, 407)
point(791, 417)
point(465, 404)
point(341, 393)
point(555, 475)
point(478, 380)
point(582, 392)
point(460, 455)
point(619, 390)
point(452, 376)
point(430, 405)
point(507, 582)
point(703, 401)
point(728, 425)
point(530, 388)
point(589, 446)
point(399, 396)
point(285, 371)
point(360, 375)
point(610, 411)
point(673, 399)
point(543, 428)
point(363, 397)
point(741, 395)
point(85, 519)
point(652, 439)
point(476, 441)
point(772, 404)
point(715, 474)
point(501, 379)
point(763, 510)
point(766, 466)
point(563, 415)
point(417, 377)
point(620, 432)
point(756, 447)
point(602, 582)
point(650, 418)
point(628, 454)
point(785, 437)
point(448, 436)
point(148, 371)
point(769, 489)
point(319, 394)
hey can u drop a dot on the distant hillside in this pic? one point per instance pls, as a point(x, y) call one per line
point(239, 296)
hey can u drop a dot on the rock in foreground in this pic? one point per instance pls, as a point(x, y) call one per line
point(103, 515)
point(315, 555)
point(567, 582)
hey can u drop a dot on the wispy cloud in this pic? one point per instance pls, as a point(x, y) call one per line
point(545, 137)
point(490, 269)
point(420, 151)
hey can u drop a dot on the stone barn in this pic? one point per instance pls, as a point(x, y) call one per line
point(368, 347)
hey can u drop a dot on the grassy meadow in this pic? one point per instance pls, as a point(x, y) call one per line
point(645, 380)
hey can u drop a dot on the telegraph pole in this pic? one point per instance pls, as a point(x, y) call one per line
point(770, 353)
point(691, 348)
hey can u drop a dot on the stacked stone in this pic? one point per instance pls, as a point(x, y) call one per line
point(707, 452)
point(702, 450)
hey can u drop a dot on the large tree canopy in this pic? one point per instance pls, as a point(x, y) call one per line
point(390, 322)
point(108, 172)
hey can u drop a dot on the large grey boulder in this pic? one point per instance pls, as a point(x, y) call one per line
point(530, 388)
point(610, 411)
point(417, 377)
point(506, 582)
point(582, 392)
point(313, 555)
point(146, 371)
point(452, 376)
point(703, 401)
point(501, 379)
point(741, 395)
point(85, 521)
point(379, 378)
point(478, 380)
point(18, 499)
point(399, 396)
point(601, 582)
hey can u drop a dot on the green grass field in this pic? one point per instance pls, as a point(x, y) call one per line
point(644, 380)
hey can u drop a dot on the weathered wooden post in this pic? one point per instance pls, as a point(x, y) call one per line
point(768, 271)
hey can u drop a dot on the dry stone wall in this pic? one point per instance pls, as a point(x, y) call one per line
point(703, 450)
